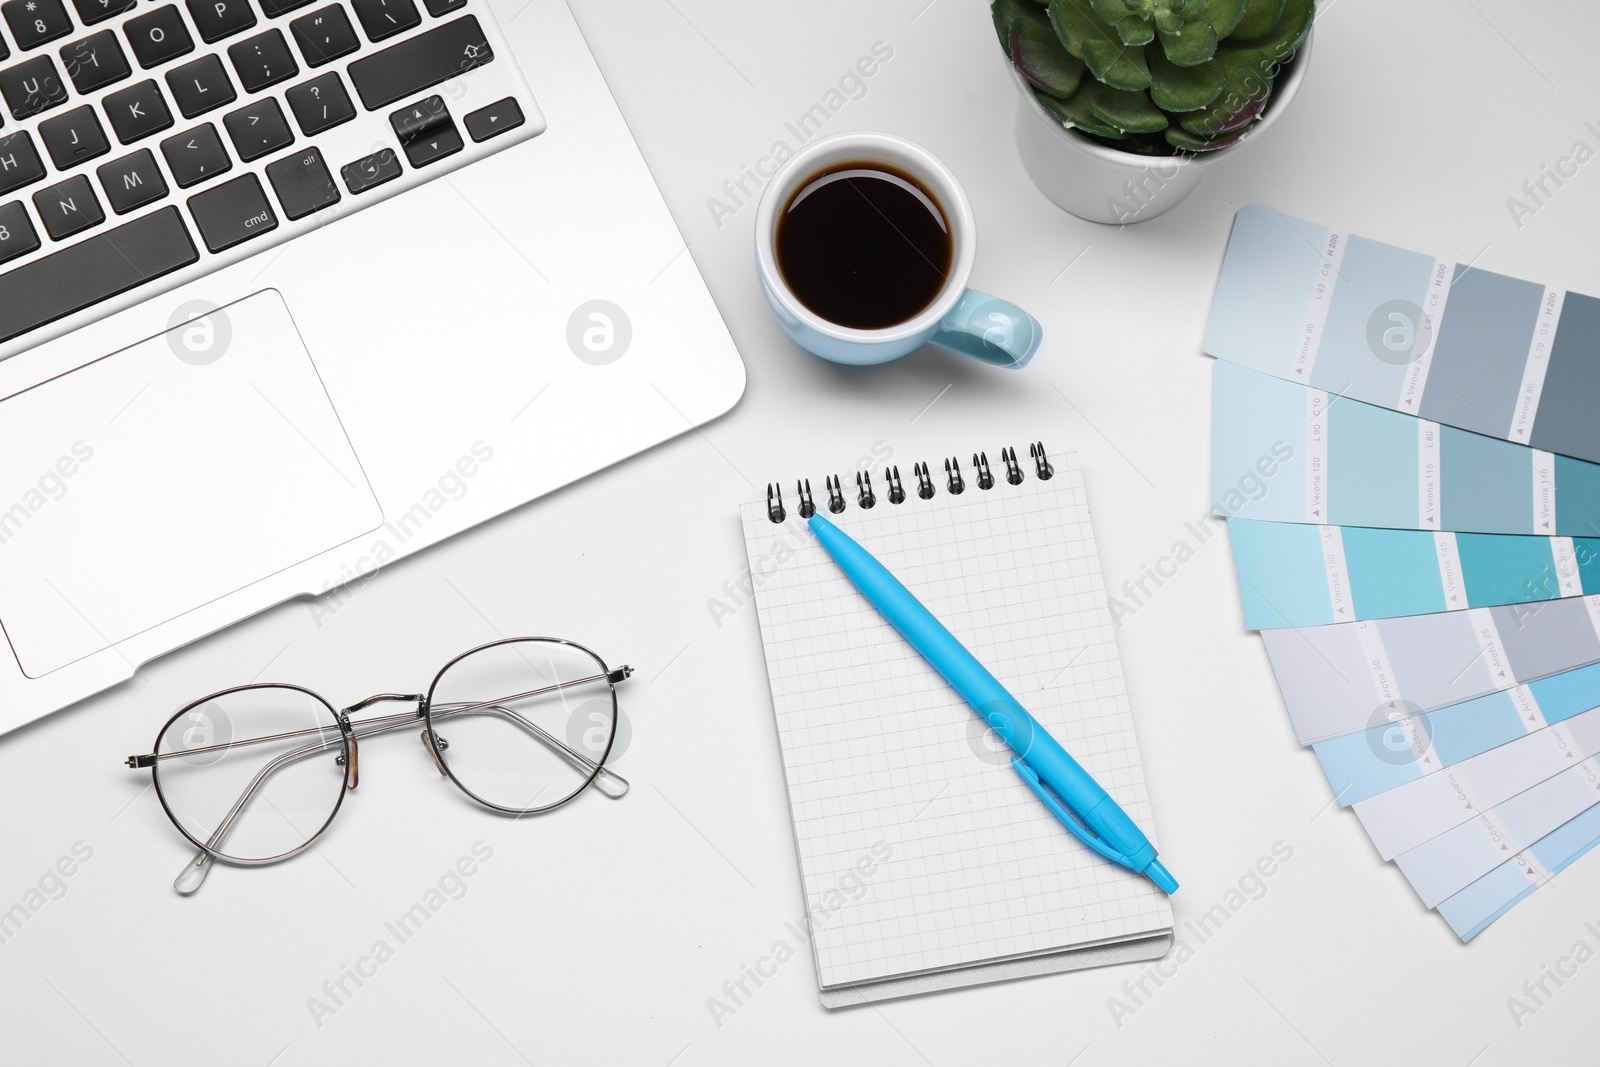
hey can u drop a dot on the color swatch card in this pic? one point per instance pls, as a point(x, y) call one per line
point(1402, 749)
point(1292, 574)
point(1345, 677)
point(1398, 329)
point(1403, 818)
point(1286, 453)
point(1470, 911)
point(1443, 866)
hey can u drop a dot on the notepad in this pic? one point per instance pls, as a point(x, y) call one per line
point(925, 861)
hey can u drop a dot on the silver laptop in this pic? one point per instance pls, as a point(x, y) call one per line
point(290, 289)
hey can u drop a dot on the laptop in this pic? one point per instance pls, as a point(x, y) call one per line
point(290, 289)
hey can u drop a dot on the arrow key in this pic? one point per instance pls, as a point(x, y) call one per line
point(426, 131)
point(497, 118)
point(195, 155)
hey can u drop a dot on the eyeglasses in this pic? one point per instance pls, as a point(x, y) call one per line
point(254, 774)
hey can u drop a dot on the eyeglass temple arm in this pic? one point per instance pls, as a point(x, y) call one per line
point(194, 873)
point(604, 778)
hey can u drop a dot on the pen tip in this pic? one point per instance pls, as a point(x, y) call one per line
point(1160, 876)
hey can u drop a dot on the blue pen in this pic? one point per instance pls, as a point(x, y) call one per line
point(1074, 797)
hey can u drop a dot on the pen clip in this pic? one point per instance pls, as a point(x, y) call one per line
point(1066, 816)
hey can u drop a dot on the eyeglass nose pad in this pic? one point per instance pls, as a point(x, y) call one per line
point(353, 777)
point(431, 753)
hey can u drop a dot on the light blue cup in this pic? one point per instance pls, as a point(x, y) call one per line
point(962, 320)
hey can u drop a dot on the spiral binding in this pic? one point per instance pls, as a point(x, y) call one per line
point(955, 483)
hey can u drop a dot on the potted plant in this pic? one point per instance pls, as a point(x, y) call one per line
point(1123, 100)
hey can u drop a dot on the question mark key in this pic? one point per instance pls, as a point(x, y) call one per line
point(320, 104)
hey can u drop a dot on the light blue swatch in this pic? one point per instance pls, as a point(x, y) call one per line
point(1379, 450)
point(1260, 302)
point(1286, 559)
point(1352, 360)
point(1396, 572)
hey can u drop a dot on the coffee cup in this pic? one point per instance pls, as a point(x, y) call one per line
point(864, 245)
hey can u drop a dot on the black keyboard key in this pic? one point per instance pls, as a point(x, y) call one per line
point(32, 86)
point(385, 18)
point(233, 212)
point(324, 35)
point(443, 7)
point(95, 62)
point(273, 8)
point(497, 118)
point(93, 11)
point(158, 37)
point(73, 136)
point(426, 131)
point(35, 22)
point(420, 62)
point(258, 129)
point(17, 235)
point(86, 273)
point(4, 51)
point(132, 181)
point(368, 172)
point(200, 86)
point(262, 60)
point(303, 183)
point(320, 104)
point(216, 19)
point(19, 163)
point(195, 155)
point(68, 207)
point(137, 111)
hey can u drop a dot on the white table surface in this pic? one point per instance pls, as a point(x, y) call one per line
point(599, 935)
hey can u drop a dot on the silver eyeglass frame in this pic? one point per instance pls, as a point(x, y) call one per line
point(345, 734)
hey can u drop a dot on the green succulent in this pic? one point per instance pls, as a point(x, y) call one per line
point(1159, 76)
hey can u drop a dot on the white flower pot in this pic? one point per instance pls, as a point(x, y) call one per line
point(1102, 184)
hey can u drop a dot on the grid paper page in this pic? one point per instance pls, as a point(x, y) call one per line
point(920, 848)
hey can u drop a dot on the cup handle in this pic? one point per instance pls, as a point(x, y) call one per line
point(990, 330)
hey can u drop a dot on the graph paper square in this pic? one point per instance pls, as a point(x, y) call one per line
point(920, 849)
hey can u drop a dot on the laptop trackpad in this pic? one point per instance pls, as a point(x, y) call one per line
point(165, 475)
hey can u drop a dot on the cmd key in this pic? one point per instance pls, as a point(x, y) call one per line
point(420, 62)
point(233, 212)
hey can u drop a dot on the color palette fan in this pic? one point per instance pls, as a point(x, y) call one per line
point(1406, 454)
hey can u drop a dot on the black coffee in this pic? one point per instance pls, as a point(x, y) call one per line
point(864, 245)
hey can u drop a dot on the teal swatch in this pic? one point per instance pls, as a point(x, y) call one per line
point(1487, 486)
point(1507, 570)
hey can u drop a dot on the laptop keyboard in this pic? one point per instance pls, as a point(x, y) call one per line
point(151, 143)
